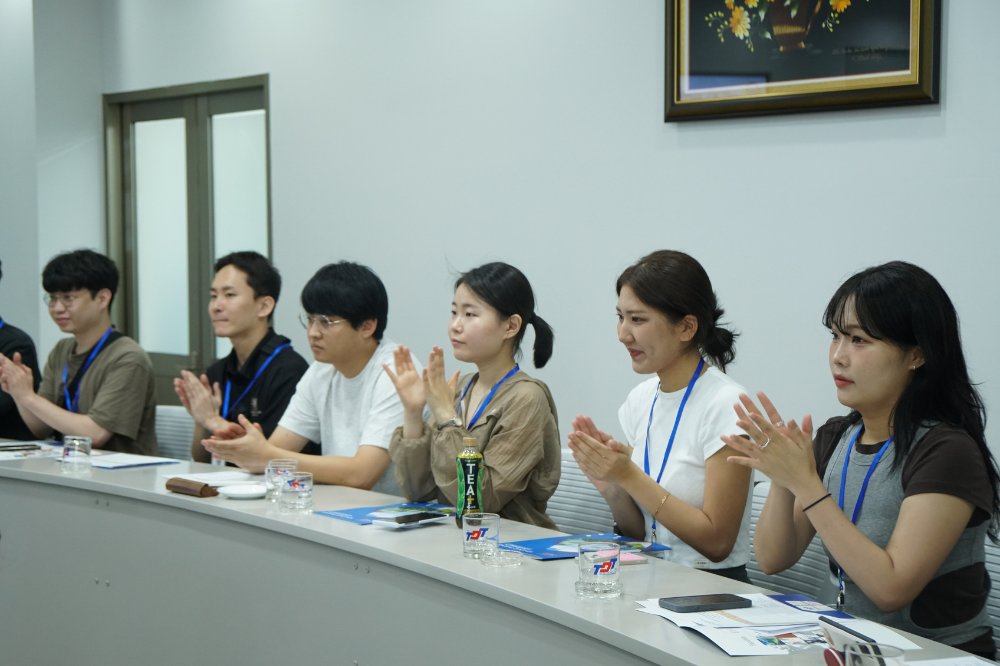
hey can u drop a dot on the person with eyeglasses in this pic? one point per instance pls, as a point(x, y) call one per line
point(98, 383)
point(258, 377)
point(16, 344)
point(344, 401)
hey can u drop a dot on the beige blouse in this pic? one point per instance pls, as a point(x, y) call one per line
point(517, 434)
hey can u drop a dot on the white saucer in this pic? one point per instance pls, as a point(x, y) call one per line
point(254, 491)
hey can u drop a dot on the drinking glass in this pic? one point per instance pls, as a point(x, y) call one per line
point(482, 533)
point(76, 454)
point(296, 492)
point(272, 475)
point(599, 563)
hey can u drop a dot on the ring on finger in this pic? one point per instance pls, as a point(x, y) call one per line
point(764, 445)
point(780, 424)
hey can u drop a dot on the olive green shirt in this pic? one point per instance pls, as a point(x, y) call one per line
point(518, 435)
point(117, 392)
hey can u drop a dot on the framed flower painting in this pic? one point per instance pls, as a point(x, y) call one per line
point(749, 57)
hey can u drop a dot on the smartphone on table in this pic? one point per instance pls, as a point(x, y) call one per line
point(704, 602)
point(410, 520)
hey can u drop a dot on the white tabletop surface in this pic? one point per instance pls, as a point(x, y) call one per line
point(544, 589)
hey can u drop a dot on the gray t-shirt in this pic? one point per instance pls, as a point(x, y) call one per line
point(117, 391)
point(951, 608)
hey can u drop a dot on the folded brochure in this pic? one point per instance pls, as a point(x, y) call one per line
point(564, 547)
point(775, 624)
point(364, 515)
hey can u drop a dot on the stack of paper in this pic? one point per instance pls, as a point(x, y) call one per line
point(566, 547)
point(776, 624)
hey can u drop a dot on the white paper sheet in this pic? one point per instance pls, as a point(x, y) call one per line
point(764, 611)
point(118, 460)
point(741, 633)
point(47, 450)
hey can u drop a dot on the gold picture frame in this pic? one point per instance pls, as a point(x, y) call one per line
point(730, 58)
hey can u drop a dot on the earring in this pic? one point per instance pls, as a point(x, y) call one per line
point(914, 367)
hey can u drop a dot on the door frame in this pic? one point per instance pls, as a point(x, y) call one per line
point(197, 103)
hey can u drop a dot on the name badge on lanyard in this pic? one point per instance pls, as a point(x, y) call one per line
point(74, 404)
point(673, 433)
point(226, 409)
point(861, 499)
point(479, 412)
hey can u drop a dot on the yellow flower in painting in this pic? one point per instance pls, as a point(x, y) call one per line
point(840, 5)
point(751, 3)
point(740, 23)
point(729, 4)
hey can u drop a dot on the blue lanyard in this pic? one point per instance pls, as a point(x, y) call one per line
point(73, 405)
point(1, 323)
point(225, 406)
point(479, 412)
point(673, 433)
point(861, 495)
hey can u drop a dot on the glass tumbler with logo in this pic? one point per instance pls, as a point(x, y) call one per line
point(599, 563)
point(296, 493)
point(274, 471)
point(481, 533)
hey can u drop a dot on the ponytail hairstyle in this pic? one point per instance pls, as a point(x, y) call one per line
point(676, 284)
point(904, 306)
point(506, 290)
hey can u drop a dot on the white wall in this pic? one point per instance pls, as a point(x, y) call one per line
point(18, 228)
point(419, 136)
point(70, 159)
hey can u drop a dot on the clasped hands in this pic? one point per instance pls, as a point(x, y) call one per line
point(604, 460)
point(16, 379)
point(242, 444)
point(781, 451)
point(427, 388)
point(201, 399)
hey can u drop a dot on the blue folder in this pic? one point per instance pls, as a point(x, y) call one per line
point(565, 547)
point(364, 515)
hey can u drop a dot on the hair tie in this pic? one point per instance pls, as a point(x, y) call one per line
point(532, 318)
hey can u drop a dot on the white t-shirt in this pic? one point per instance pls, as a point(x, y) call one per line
point(344, 414)
point(708, 414)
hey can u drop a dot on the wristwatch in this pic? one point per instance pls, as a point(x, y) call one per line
point(457, 421)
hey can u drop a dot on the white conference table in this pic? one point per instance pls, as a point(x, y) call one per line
point(111, 568)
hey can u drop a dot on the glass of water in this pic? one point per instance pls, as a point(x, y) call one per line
point(599, 563)
point(872, 654)
point(481, 532)
point(296, 492)
point(76, 454)
point(274, 471)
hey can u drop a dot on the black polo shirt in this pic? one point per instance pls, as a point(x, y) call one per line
point(269, 396)
point(13, 339)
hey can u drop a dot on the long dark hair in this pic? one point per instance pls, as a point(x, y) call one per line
point(677, 285)
point(507, 291)
point(903, 305)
